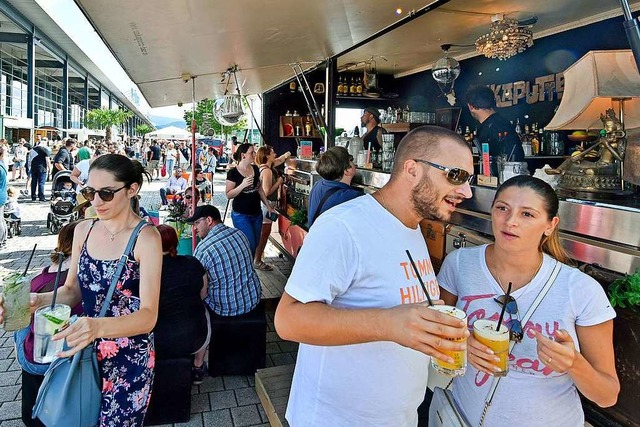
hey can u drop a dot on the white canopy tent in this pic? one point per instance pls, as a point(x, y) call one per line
point(171, 132)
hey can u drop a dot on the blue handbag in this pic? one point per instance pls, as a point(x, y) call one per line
point(71, 391)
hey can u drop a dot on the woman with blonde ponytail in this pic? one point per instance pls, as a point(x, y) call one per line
point(566, 347)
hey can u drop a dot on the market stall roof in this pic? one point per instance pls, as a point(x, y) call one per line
point(157, 42)
point(171, 132)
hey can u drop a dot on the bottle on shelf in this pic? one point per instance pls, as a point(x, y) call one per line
point(405, 114)
point(307, 126)
point(352, 87)
point(518, 128)
point(340, 85)
point(359, 87)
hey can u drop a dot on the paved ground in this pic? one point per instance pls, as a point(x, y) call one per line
point(229, 401)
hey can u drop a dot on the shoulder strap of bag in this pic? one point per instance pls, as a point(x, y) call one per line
point(328, 194)
point(543, 292)
point(121, 262)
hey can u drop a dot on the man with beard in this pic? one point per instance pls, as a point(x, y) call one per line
point(373, 136)
point(354, 302)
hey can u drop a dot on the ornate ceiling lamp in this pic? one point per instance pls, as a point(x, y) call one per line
point(506, 38)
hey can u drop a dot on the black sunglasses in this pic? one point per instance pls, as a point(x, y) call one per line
point(187, 197)
point(455, 176)
point(106, 195)
point(516, 333)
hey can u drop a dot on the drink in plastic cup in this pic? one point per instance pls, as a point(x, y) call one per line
point(15, 291)
point(498, 341)
point(48, 322)
point(459, 366)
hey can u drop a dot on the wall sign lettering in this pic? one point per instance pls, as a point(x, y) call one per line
point(544, 88)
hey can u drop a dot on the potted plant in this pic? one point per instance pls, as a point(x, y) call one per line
point(177, 211)
point(624, 295)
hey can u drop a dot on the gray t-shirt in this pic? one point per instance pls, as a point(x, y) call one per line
point(531, 394)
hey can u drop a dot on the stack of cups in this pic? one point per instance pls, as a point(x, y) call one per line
point(388, 152)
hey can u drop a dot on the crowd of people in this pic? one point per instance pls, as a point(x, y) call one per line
point(365, 339)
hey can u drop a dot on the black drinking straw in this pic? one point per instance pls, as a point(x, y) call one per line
point(504, 307)
point(30, 258)
point(424, 288)
point(57, 282)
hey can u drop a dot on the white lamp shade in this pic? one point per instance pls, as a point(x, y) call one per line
point(595, 83)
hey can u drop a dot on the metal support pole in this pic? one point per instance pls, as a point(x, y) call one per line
point(632, 30)
point(193, 161)
point(31, 78)
point(330, 102)
point(65, 97)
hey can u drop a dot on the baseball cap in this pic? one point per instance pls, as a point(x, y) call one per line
point(205, 211)
point(374, 111)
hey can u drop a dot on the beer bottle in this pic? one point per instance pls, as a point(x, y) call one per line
point(352, 88)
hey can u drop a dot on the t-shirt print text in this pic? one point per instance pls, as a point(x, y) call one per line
point(412, 292)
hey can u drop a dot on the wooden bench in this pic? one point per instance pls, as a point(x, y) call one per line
point(273, 386)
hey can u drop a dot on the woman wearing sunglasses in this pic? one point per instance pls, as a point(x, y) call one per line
point(123, 337)
point(565, 347)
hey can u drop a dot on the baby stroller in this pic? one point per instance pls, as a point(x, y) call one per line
point(63, 200)
point(14, 226)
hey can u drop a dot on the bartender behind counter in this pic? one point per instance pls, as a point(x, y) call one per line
point(371, 120)
point(494, 129)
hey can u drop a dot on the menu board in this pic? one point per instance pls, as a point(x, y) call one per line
point(306, 150)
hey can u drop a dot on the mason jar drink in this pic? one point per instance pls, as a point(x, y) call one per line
point(459, 365)
point(484, 330)
point(15, 292)
point(47, 322)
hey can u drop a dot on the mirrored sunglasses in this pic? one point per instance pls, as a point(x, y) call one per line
point(516, 332)
point(455, 176)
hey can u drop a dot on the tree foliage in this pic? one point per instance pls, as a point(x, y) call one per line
point(206, 120)
point(143, 129)
point(104, 118)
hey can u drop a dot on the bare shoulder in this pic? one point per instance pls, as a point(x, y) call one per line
point(81, 230)
point(149, 234)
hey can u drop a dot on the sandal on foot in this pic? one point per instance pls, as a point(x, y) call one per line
point(262, 266)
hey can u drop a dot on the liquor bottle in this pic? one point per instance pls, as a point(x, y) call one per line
point(359, 87)
point(405, 114)
point(340, 86)
point(518, 128)
point(356, 131)
point(352, 87)
point(467, 134)
point(307, 126)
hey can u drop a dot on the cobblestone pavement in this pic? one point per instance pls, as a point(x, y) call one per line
point(228, 401)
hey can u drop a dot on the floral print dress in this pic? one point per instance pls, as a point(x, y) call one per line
point(126, 364)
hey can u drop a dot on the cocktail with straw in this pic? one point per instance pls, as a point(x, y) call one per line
point(495, 335)
point(459, 365)
point(48, 321)
point(16, 288)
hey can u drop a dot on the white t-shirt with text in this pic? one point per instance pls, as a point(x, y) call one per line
point(531, 395)
point(354, 257)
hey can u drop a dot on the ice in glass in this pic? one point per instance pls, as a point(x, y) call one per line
point(15, 291)
point(47, 322)
point(484, 330)
point(459, 366)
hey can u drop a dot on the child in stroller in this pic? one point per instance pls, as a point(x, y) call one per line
point(12, 213)
point(63, 200)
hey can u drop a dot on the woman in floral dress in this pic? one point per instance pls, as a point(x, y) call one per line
point(123, 337)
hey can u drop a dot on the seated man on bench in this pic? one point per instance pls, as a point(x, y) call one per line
point(233, 286)
point(175, 185)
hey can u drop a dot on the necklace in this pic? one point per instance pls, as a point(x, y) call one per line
point(530, 280)
point(112, 236)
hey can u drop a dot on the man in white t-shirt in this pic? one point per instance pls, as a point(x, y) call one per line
point(354, 302)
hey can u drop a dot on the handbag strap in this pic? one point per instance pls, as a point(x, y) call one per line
point(543, 292)
point(120, 267)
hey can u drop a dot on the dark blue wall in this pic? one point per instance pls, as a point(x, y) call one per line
point(548, 55)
